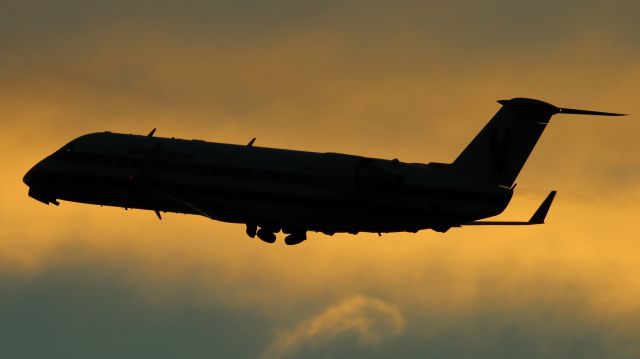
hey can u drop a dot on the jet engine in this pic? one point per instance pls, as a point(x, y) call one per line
point(352, 173)
point(371, 177)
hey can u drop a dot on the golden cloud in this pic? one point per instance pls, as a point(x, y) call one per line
point(370, 320)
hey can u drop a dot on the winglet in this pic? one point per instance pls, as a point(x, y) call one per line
point(540, 214)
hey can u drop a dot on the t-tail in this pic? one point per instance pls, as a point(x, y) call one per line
point(500, 150)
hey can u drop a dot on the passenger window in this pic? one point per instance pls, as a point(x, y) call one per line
point(233, 172)
point(275, 176)
point(293, 178)
point(308, 179)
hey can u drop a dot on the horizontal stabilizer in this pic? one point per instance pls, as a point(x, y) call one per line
point(537, 218)
point(573, 111)
point(541, 213)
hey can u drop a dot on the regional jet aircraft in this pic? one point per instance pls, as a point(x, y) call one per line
point(272, 190)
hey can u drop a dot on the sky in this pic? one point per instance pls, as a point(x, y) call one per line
point(414, 80)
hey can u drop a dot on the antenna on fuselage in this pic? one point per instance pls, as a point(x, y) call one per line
point(151, 133)
point(250, 144)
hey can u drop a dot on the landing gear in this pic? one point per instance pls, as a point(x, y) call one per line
point(266, 236)
point(251, 230)
point(295, 238)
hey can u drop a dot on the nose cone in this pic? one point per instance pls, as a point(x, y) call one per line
point(39, 189)
point(34, 175)
point(28, 177)
point(37, 174)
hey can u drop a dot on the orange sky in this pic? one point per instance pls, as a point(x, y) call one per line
point(415, 81)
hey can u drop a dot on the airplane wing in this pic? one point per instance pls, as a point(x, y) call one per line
point(172, 197)
point(537, 218)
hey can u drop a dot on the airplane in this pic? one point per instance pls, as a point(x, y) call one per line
point(272, 190)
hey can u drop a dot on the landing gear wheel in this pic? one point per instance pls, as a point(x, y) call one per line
point(295, 238)
point(266, 236)
point(251, 230)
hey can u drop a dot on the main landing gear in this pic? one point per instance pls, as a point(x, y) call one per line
point(295, 238)
point(251, 230)
point(268, 235)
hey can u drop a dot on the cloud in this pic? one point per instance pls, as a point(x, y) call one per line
point(369, 320)
point(87, 310)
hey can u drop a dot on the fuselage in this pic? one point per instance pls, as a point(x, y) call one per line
point(272, 188)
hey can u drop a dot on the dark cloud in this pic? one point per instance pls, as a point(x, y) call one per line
point(77, 309)
point(494, 23)
point(80, 310)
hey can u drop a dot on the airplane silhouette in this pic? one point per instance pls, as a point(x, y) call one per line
point(272, 190)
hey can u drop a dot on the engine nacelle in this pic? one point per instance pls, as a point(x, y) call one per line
point(351, 173)
point(375, 178)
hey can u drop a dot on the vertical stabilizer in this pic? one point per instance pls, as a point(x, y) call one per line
point(500, 150)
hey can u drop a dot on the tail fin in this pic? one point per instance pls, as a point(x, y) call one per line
point(499, 151)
